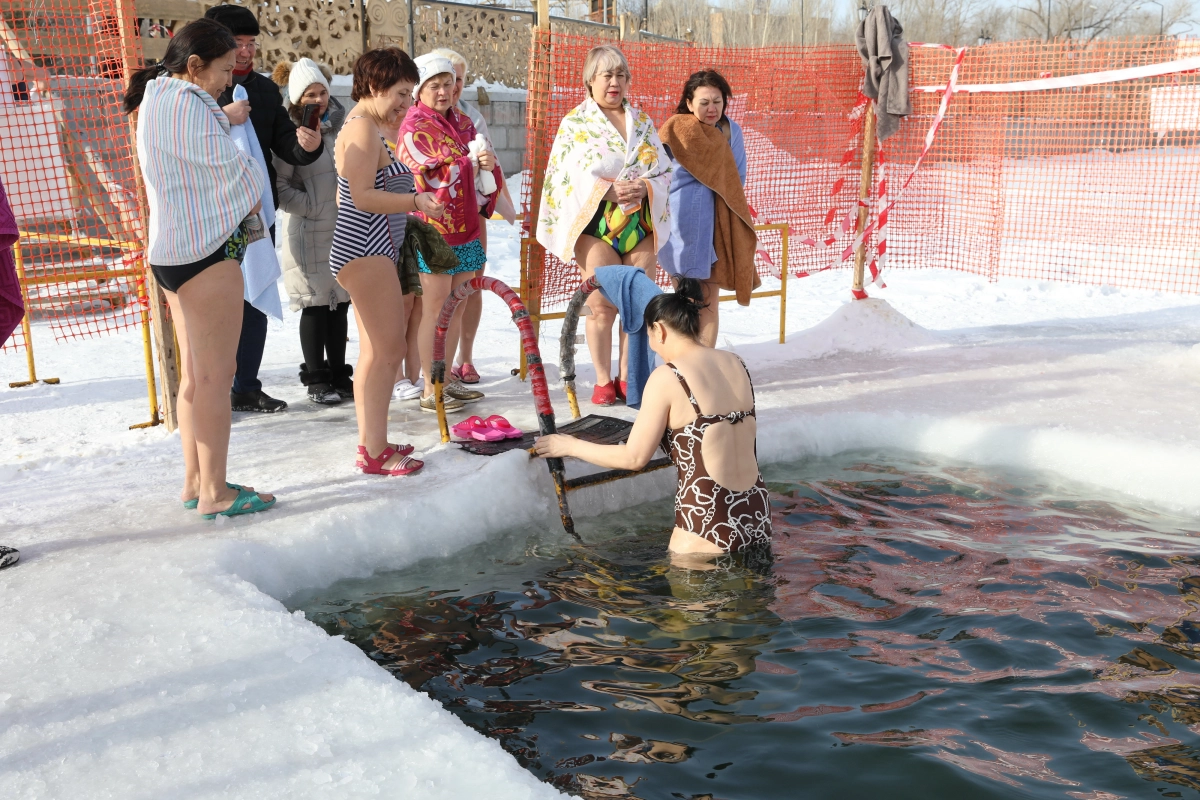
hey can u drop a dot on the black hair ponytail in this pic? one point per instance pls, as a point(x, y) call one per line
point(679, 311)
point(203, 38)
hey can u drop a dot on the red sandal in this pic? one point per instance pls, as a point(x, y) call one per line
point(402, 449)
point(374, 466)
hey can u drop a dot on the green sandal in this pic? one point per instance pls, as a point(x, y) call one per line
point(247, 502)
point(195, 501)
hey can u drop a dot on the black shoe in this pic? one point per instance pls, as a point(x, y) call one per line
point(341, 382)
point(319, 389)
point(8, 556)
point(258, 401)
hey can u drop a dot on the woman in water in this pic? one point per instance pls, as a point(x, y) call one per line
point(700, 407)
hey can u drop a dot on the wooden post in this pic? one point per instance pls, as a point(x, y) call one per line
point(412, 30)
point(536, 126)
point(864, 194)
point(783, 281)
point(147, 352)
point(160, 323)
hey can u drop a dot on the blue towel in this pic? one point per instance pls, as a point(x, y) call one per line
point(689, 250)
point(630, 291)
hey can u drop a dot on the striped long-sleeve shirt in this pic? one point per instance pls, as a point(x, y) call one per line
point(200, 186)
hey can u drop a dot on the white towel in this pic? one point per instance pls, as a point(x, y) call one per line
point(485, 181)
point(260, 267)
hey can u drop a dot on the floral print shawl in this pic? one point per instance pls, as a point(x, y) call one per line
point(435, 148)
point(588, 156)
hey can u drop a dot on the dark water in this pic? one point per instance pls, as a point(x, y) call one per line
point(924, 631)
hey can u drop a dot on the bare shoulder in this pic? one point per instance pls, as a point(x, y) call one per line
point(359, 129)
point(735, 372)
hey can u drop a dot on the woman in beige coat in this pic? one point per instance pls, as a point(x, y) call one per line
point(309, 195)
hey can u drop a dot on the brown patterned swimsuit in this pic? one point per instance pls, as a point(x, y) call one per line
point(731, 520)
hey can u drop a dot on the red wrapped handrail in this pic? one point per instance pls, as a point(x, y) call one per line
point(533, 358)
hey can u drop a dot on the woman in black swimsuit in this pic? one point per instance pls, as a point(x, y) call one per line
point(721, 502)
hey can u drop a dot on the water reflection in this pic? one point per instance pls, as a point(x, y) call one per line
point(1006, 634)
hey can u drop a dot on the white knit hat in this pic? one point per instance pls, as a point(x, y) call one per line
point(305, 73)
point(431, 66)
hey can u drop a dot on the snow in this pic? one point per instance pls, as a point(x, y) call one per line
point(147, 653)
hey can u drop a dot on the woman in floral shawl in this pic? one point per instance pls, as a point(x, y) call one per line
point(604, 199)
point(434, 142)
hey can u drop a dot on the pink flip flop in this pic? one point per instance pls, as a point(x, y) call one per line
point(501, 425)
point(475, 428)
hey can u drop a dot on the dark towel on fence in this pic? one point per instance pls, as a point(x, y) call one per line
point(422, 238)
point(12, 306)
point(630, 290)
point(884, 52)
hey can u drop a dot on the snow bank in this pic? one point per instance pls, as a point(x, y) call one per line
point(860, 326)
point(1161, 474)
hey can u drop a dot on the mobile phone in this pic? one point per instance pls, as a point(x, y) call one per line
point(310, 116)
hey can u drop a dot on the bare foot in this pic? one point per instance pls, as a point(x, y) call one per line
point(191, 491)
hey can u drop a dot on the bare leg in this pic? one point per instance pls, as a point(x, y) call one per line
point(709, 314)
point(684, 542)
point(436, 289)
point(379, 313)
point(591, 253)
point(472, 313)
point(183, 403)
point(207, 311)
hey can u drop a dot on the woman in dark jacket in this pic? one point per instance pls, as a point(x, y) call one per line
point(309, 195)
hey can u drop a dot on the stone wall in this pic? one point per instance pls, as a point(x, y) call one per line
point(504, 113)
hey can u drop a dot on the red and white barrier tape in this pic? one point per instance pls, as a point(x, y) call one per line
point(884, 206)
point(1074, 81)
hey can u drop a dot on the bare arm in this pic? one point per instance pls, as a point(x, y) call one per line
point(644, 439)
point(357, 163)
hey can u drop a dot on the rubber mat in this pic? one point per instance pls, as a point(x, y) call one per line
point(592, 428)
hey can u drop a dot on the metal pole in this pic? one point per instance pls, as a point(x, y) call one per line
point(25, 320)
point(1049, 11)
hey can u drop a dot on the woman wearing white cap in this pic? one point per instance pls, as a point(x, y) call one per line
point(309, 195)
point(435, 143)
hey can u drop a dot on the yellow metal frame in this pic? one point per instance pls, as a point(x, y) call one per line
point(781, 293)
point(26, 330)
point(90, 274)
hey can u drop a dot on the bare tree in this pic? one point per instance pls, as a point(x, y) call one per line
point(740, 23)
point(1096, 19)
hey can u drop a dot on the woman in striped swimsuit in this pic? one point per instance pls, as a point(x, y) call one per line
point(374, 190)
point(721, 503)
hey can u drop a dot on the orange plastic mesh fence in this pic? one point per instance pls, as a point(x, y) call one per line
point(67, 162)
point(1095, 184)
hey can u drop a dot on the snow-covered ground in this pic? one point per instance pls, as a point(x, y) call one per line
point(145, 653)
